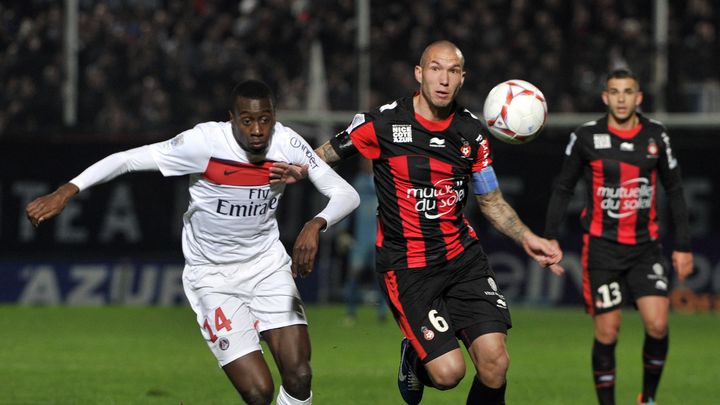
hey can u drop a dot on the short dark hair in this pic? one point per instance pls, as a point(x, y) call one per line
point(622, 73)
point(253, 89)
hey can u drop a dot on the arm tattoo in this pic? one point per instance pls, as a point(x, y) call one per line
point(501, 215)
point(328, 154)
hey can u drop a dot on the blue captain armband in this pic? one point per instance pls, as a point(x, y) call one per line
point(485, 181)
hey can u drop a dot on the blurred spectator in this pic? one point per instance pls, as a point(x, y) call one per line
point(161, 64)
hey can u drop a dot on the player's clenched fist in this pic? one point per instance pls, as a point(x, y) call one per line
point(50, 205)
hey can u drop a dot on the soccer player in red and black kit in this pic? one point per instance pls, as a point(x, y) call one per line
point(428, 154)
point(621, 156)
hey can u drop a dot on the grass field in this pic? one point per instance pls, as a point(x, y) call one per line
point(115, 355)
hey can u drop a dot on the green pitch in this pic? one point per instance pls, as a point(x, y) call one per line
point(117, 355)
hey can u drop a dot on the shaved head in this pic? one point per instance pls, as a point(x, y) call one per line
point(430, 51)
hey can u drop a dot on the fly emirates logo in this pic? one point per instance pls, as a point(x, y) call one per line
point(258, 203)
point(632, 195)
point(441, 198)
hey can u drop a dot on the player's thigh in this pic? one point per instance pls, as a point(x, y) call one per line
point(654, 311)
point(607, 325)
point(290, 346)
point(250, 374)
point(416, 300)
point(489, 351)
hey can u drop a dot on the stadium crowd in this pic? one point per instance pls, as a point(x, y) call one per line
point(152, 67)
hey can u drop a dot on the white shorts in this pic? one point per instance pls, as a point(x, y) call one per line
point(234, 303)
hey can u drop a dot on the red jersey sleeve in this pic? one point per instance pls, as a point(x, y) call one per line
point(365, 140)
point(483, 158)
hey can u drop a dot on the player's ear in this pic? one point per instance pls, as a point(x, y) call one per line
point(231, 115)
point(639, 98)
point(418, 73)
point(605, 97)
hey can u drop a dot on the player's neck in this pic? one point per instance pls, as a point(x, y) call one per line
point(429, 112)
point(623, 125)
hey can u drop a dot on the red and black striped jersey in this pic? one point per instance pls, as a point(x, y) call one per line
point(621, 170)
point(422, 174)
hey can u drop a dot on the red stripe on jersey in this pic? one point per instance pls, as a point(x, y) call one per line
point(380, 236)
point(231, 173)
point(441, 175)
point(392, 289)
point(365, 140)
point(587, 295)
point(596, 218)
point(627, 212)
point(652, 220)
point(435, 126)
point(409, 217)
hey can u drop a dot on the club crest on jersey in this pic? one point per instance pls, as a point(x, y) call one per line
point(428, 334)
point(402, 133)
point(465, 150)
point(652, 149)
point(601, 141)
point(223, 343)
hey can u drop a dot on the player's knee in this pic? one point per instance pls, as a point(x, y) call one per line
point(494, 368)
point(297, 379)
point(261, 394)
point(657, 328)
point(607, 333)
point(445, 378)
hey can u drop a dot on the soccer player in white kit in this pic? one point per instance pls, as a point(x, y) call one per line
point(237, 277)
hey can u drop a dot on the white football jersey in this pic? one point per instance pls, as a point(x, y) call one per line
point(231, 215)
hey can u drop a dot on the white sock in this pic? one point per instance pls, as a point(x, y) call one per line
point(284, 398)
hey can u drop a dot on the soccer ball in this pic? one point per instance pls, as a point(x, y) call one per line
point(515, 111)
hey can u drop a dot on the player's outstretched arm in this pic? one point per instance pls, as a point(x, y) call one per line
point(504, 218)
point(50, 205)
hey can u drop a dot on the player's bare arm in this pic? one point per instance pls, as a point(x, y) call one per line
point(501, 215)
point(504, 218)
point(50, 205)
point(328, 154)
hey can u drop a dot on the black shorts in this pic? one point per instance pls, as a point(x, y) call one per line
point(615, 274)
point(436, 305)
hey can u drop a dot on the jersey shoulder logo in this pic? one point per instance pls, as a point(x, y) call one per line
point(401, 133)
point(436, 142)
point(627, 146)
point(601, 141)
